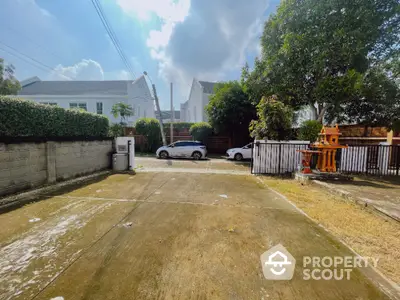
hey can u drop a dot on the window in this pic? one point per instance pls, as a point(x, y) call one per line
point(99, 108)
point(144, 114)
point(78, 105)
point(48, 103)
point(138, 111)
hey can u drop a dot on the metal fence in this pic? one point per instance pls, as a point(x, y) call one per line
point(380, 160)
point(276, 158)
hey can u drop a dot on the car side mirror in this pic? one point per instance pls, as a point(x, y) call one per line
point(172, 146)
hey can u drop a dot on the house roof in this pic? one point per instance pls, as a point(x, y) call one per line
point(208, 87)
point(116, 87)
point(166, 114)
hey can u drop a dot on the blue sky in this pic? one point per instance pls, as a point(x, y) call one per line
point(173, 40)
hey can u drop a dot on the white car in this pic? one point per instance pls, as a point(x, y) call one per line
point(183, 149)
point(239, 153)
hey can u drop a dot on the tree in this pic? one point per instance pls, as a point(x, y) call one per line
point(200, 131)
point(376, 103)
point(230, 110)
point(116, 130)
point(123, 110)
point(9, 85)
point(274, 120)
point(309, 130)
point(150, 128)
point(314, 52)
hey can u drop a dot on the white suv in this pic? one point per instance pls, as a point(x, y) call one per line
point(193, 149)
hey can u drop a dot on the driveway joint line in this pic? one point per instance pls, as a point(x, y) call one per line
point(173, 202)
point(98, 240)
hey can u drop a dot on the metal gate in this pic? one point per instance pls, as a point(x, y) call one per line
point(380, 160)
point(276, 158)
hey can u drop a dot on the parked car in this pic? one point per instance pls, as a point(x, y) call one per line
point(182, 149)
point(239, 153)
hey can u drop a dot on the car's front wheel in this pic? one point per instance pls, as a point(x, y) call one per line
point(196, 155)
point(163, 154)
point(238, 156)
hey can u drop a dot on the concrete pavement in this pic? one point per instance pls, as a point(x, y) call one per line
point(164, 236)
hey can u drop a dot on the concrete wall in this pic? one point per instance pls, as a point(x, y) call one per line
point(27, 165)
point(78, 158)
point(22, 166)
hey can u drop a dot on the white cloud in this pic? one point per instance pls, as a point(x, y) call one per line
point(171, 10)
point(212, 40)
point(205, 39)
point(86, 69)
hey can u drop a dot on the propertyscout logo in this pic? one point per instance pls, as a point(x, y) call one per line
point(278, 264)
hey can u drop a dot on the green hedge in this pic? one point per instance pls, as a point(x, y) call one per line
point(179, 125)
point(26, 118)
point(201, 131)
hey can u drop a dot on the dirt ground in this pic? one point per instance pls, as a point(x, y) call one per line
point(162, 235)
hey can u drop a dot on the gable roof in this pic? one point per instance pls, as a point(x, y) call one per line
point(115, 87)
point(208, 87)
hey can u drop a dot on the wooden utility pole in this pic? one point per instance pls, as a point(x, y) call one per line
point(172, 116)
point(164, 140)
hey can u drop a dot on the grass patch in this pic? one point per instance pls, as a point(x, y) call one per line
point(367, 233)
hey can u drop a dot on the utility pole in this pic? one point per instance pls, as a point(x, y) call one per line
point(172, 116)
point(159, 114)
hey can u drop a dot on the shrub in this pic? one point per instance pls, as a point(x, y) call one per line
point(150, 128)
point(274, 120)
point(26, 118)
point(200, 131)
point(116, 130)
point(309, 130)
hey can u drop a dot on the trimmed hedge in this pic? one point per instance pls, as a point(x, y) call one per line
point(201, 131)
point(26, 118)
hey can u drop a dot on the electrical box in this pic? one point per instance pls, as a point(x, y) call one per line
point(126, 145)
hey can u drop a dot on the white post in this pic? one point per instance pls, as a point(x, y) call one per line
point(172, 117)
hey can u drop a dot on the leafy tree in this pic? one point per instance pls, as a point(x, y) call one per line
point(116, 130)
point(314, 52)
point(200, 131)
point(309, 130)
point(230, 109)
point(150, 128)
point(123, 110)
point(9, 85)
point(274, 120)
point(376, 103)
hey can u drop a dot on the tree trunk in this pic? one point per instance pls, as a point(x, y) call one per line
point(322, 113)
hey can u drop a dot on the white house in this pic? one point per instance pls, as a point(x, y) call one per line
point(193, 110)
point(92, 96)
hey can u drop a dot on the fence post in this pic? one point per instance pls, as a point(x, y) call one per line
point(397, 159)
point(251, 162)
point(279, 158)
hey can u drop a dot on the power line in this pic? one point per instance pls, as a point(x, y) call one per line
point(33, 42)
point(41, 65)
point(112, 35)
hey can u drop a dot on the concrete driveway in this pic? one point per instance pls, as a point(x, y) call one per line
point(162, 235)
